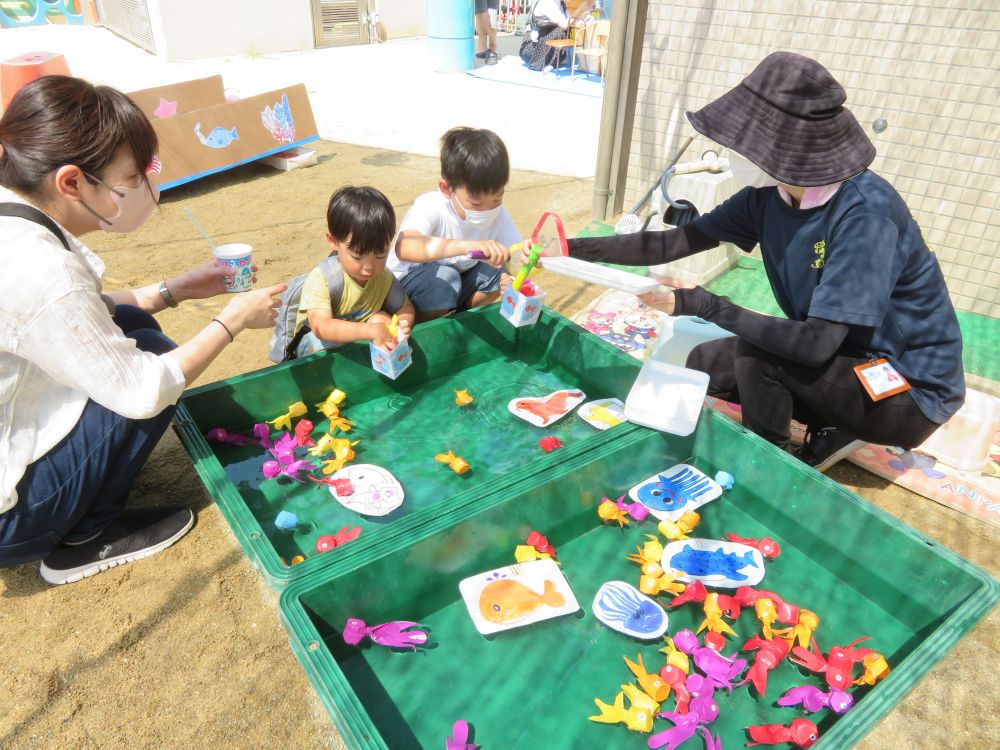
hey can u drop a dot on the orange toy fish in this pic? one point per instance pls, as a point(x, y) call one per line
point(462, 397)
point(679, 529)
point(547, 408)
point(456, 463)
point(608, 511)
point(511, 601)
point(876, 667)
point(651, 684)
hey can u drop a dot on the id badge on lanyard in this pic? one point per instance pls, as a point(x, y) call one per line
point(881, 379)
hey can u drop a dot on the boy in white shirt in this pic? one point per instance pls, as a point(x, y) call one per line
point(464, 217)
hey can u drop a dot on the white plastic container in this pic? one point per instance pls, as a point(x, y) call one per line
point(686, 332)
point(667, 398)
point(964, 440)
point(293, 158)
point(593, 273)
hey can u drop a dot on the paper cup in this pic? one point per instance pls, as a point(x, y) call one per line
point(239, 257)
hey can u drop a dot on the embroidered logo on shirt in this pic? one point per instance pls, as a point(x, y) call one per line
point(820, 249)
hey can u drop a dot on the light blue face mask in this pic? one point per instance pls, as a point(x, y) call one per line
point(749, 173)
point(476, 219)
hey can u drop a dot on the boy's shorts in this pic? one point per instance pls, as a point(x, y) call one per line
point(310, 344)
point(440, 286)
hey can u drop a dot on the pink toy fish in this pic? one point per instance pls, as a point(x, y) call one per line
point(702, 711)
point(838, 663)
point(765, 545)
point(801, 732)
point(720, 670)
point(459, 739)
point(638, 511)
point(342, 537)
point(273, 469)
point(220, 435)
point(302, 430)
point(283, 449)
point(395, 634)
point(812, 699)
point(769, 655)
point(262, 433)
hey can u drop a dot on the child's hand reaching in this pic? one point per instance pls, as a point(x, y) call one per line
point(495, 253)
point(380, 335)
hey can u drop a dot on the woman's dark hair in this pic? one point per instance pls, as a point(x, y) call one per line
point(58, 120)
point(361, 217)
point(474, 159)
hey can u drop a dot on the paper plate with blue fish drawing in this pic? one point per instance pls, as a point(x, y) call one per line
point(517, 595)
point(672, 493)
point(622, 607)
point(725, 565)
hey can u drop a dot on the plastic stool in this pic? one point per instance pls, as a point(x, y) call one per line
point(17, 71)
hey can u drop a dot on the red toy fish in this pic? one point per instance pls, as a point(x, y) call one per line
point(838, 663)
point(769, 655)
point(302, 430)
point(545, 409)
point(342, 537)
point(540, 543)
point(765, 545)
point(693, 592)
point(801, 732)
point(342, 487)
point(549, 443)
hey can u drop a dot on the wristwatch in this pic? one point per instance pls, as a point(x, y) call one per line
point(167, 296)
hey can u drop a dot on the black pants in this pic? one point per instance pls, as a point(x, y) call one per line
point(772, 391)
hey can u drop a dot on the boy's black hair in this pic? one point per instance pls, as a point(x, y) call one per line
point(474, 159)
point(362, 217)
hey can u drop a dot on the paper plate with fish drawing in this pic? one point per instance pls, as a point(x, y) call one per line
point(672, 493)
point(725, 565)
point(622, 607)
point(517, 595)
point(373, 490)
point(542, 411)
point(604, 413)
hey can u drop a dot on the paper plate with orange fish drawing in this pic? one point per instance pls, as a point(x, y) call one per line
point(517, 595)
point(542, 411)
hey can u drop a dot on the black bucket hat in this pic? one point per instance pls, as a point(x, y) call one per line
point(788, 118)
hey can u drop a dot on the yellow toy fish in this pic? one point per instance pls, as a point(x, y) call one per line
point(609, 511)
point(603, 414)
point(527, 553)
point(284, 422)
point(651, 551)
point(655, 585)
point(456, 463)
point(343, 451)
point(330, 407)
point(462, 398)
point(652, 684)
point(636, 718)
point(679, 529)
point(802, 630)
point(323, 445)
point(676, 657)
point(394, 326)
point(767, 613)
point(876, 668)
point(713, 617)
point(341, 423)
point(508, 600)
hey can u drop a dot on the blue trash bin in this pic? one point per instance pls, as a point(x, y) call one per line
point(450, 35)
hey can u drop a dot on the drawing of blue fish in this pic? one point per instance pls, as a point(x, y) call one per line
point(718, 562)
point(218, 138)
point(621, 607)
point(673, 493)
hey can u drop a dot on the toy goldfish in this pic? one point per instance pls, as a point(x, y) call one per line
point(681, 528)
point(341, 423)
point(676, 657)
point(549, 407)
point(837, 664)
point(802, 630)
point(638, 511)
point(262, 434)
point(549, 443)
point(283, 449)
point(651, 684)
point(343, 451)
point(527, 553)
point(812, 699)
point(330, 407)
point(323, 445)
point(393, 326)
point(713, 617)
point(604, 415)
point(342, 537)
point(769, 655)
point(456, 463)
point(284, 422)
point(608, 511)
point(395, 634)
point(693, 592)
point(540, 543)
point(677, 679)
point(765, 545)
point(302, 430)
point(801, 732)
point(462, 398)
point(342, 487)
point(273, 469)
point(459, 739)
point(635, 718)
point(876, 668)
point(297, 559)
point(767, 614)
point(651, 551)
point(220, 435)
point(507, 600)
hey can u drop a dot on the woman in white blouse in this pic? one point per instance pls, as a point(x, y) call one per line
point(88, 382)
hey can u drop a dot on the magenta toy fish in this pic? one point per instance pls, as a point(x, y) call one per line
point(283, 448)
point(720, 670)
point(638, 511)
point(393, 634)
point(701, 711)
point(812, 699)
point(459, 739)
point(263, 435)
point(221, 435)
point(274, 469)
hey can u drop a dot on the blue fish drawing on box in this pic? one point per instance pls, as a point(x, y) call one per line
point(673, 492)
point(622, 607)
point(218, 137)
point(714, 562)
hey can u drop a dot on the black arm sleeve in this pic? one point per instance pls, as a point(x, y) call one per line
point(642, 248)
point(811, 342)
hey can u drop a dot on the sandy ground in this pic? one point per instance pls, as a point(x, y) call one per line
point(185, 650)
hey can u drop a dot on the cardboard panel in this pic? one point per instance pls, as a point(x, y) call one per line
point(177, 98)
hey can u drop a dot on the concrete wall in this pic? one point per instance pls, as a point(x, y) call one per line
point(403, 18)
point(193, 29)
point(929, 67)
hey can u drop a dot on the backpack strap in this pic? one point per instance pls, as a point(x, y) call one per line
point(334, 277)
point(32, 214)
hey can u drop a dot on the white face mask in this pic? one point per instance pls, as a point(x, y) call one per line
point(135, 206)
point(476, 219)
point(749, 173)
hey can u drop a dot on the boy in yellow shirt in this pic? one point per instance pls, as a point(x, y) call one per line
point(360, 227)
